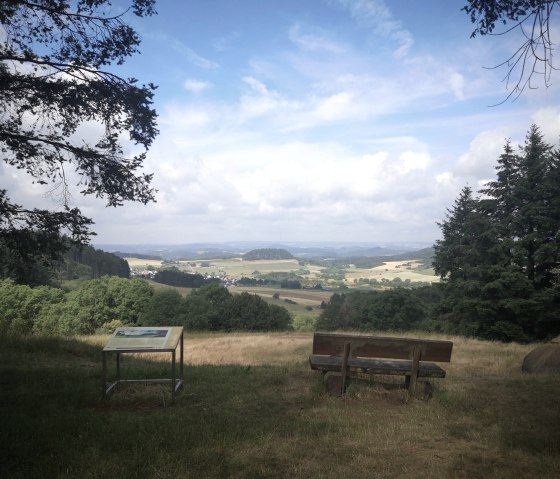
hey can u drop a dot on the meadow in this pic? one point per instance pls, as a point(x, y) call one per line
point(252, 408)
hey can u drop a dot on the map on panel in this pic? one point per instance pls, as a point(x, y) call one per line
point(144, 338)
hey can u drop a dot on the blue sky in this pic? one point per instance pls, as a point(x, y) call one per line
point(316, 120)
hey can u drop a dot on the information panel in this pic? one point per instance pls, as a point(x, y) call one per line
point(164, 338)
point(155, 339)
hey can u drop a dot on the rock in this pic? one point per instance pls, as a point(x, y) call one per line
point(545, 358)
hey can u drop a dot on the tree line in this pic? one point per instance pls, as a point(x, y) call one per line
point(101, 305)
point(498, 259)
point(267, 254)
point(74, 262)
point(175, 277)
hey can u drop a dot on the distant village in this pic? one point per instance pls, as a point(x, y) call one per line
point(151, 272)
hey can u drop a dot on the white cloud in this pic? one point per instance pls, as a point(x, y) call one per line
point(484, 150)
point(196, 86)
point(193, 57)
point(411, 160)
point(548, 121)
point(374, 14)
point(313, 41)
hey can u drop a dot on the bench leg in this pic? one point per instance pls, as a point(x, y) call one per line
point(334, 383)
point(344, 368)
point(414, 373)
point(428, 387)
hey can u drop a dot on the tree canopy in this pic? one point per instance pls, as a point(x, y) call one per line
point(65, 113)
point(499, 255)
point(532, 18)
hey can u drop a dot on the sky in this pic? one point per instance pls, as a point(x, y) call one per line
point(315, 120)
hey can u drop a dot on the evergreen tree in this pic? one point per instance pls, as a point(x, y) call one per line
point(499, 256)
point(469, 241)
point(524, 206)
point(535, 224)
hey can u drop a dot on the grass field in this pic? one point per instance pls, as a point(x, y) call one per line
point(252, 408)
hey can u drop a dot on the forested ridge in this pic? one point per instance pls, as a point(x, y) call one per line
point(76, 262)
point(268, 254)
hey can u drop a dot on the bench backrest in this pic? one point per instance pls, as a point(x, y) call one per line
point(332, 344)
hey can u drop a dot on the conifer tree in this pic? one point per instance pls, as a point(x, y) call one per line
point(55, 79)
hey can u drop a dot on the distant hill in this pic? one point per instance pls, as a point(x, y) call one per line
point(267, 253)
point(424, 255)
point(299, 250)
point(138, 255)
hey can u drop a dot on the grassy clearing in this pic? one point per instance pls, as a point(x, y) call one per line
point(252, 408)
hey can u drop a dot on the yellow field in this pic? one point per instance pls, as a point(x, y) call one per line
point(143, 263)
point(411, 270)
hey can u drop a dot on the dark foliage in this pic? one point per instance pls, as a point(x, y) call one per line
point(175, 277)
point(392, 310)
point(499, 256)
point(290, 284)
point(54, 81)
point(245, 281)
point(267, 253)
point(87, 262)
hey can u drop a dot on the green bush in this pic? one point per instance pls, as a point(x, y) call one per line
point(304, 323)
point(396, 310)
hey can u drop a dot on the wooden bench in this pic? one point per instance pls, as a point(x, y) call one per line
point(352, 355)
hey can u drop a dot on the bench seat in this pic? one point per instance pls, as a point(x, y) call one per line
point(347, 355)
point(375, 366)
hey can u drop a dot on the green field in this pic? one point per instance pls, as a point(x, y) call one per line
point(252, 408)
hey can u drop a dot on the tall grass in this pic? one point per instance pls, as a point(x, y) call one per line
point(252, 408)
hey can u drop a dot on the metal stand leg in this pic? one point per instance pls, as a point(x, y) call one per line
point(104, 375)
point(118, 367)
point(182, 360)
point(173, 376)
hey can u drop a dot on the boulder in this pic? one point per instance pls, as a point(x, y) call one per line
point(545, 358)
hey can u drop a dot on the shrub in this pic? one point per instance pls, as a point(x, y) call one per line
point(304, 323)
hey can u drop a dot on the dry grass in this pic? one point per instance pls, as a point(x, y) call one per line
point(246, 349)
point(251, 407)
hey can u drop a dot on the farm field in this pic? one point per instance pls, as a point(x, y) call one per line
point(237, 268)
point(251, 407)
point(411, 270)
point(143, 263)
point(296, 301)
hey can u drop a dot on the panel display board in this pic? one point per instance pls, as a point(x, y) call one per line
point(154, 339)
point(163, 338)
